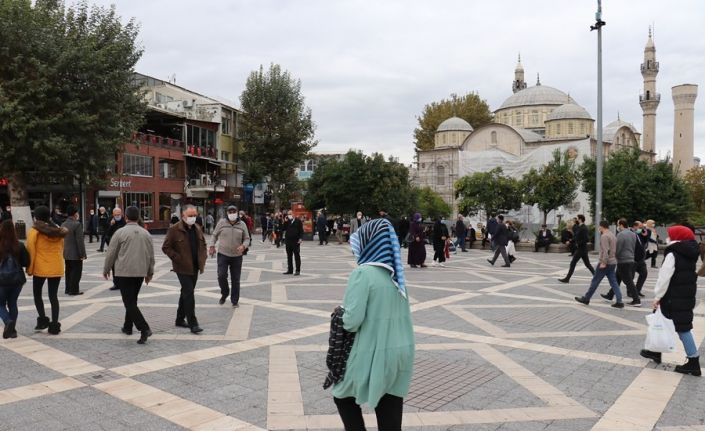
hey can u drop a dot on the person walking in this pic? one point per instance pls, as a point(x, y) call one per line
point(461, 232)
point(640, 255)
point(500, 239)
point(185, 245)
point(131, 259)
point(628, 243)
point(293, 235)
point(13, 257)
point(117, 222)
point(652, 250)
point(512, 239)
point(543, 239)
point(606, 268)
point(278, 229)
point(92, 226)
point(357, 222)
point(376, 308)
point(440, 235)
point(263, 219)
point(231, 236)
point(103, 226)
point(404, 227)
point(209, 223)
point(675, 293)
point(45, 244)
point(491, 228)
point(581, 239)
point(417, 246)
point(74, 252)
point(321, 228)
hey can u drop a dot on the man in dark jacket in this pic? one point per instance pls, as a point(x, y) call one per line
point(74, 251)
point(92, 226)
point(294, 231)
point(543, 238)
point(491, 230)
point(404, 226)
point(461, 232)
point(186, 247)
point(103, 226)
point(116, 223)
point(321, 227)
point(581, 239)
point(500, 239)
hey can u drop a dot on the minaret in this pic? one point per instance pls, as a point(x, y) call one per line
point(650, 99)
point(518, 83)
point(683, 126)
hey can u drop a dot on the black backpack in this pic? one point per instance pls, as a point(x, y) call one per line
point(11, 274)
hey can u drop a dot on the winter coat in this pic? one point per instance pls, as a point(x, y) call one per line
point(678, 302)
point(178, 248)
point(74, 248)
point(45, 244)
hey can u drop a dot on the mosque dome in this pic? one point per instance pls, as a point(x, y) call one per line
point(537, 95)
point(569, 111)
point(454, 124)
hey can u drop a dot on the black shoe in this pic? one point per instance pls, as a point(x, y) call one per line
point(288, 272)
point(582, 300)
point(512, 259)
point(222, 299)
point(618, 305)
point(236, 305)
point(641, 295)
point(144, 335)
point(75, 294)
point(114, 287)
point(564, 280)
point(196, 329)
point(606, 296)
point(54, 328)
point(181, 324)
point(691, 367)
point(297, 273)
point(635, 303)
point(42, 323)
point(490, 262)
point(100, 250)
point(9, 329)
point(648, 354)
point(464, 251)
point(413, 266)
point(506, 265)
point(126, 331)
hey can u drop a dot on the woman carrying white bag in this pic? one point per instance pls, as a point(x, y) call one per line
point(675, 294)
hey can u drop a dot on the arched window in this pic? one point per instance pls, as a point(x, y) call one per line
point(570, 128)
point(558, 129)
point(493, 137)
point(582, 128)
point(440, 175)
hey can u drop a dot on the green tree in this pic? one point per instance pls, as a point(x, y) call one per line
point(277, 130)
point(636, 190)
point(359, 182)
point(431, 204)
point(490, 191)
point(553, 185)
point(469, 107)
point(695, 181)
point(68, 99)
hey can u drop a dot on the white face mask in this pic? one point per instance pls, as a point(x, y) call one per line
point(232, 217)
point(290, 217)
point(117, 218)
point(190, 221)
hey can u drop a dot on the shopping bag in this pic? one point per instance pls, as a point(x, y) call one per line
point(661, 335)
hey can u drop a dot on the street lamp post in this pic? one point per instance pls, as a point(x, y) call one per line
point(600, 157)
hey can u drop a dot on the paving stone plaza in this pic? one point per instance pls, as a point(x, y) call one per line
point(497, 349)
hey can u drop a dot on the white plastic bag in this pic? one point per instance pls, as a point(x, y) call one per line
point(661, 335)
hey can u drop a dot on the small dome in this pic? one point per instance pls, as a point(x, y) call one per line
point(537, 95)
point(454, 124)
point(609, 131)
point(569, 111)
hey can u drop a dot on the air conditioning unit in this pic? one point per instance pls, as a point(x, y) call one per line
point(223, 183)
point(161, 106)
point(188, 103)
point(195, 182)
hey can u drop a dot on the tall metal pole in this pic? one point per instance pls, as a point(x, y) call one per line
point(599, 156)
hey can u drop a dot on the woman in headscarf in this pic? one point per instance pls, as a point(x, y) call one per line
point(652, 246)
point(440, 235)
point(675, 293)
point(417, 247)
point(379, 368)
point(45, 244)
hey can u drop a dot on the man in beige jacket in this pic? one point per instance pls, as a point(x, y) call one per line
point(607, 267)
point(233, 239)
point(131, 258)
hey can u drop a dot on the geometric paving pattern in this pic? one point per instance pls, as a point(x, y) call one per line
point(497, 349)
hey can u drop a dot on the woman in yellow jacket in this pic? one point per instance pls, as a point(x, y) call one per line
point(45, 244)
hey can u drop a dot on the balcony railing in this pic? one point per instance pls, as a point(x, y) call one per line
point(161, 141)
point(209, 152)
point(651, 67)
point(652, 98)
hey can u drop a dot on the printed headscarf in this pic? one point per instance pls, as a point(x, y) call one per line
point(376, 243)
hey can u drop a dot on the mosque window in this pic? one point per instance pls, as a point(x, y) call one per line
point(582, 128)
point(570, 128)
point(534, 117)
point(518, 118)
point(648, 95)
point(493, 137)
point(558, 129)
point(440, 175)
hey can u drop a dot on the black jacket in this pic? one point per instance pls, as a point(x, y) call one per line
point(114, 227)
point(678, 302)
point(582, 236)
point(439, 231)
point(501, 235)
point(294, 230)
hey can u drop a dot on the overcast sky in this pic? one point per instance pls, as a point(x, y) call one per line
point(368, 67)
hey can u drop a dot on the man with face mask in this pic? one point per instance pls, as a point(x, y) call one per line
point(92, 226)
point(233, 239)
point(186, 247)
point(294, 231)
point(116, 223)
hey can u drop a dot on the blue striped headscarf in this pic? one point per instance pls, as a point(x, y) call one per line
point(376, 243)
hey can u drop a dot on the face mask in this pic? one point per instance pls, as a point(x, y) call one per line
point(190, 221)
point(118, 218)
point(290, 217)
point(638, 230)
point(232, 217)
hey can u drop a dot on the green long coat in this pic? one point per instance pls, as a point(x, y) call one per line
point(382, 357)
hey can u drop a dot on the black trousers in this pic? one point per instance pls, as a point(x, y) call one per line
point(541, 243)
point(232, 264)
point(580, 253)
point(388, 411)
point(91, 234)
point(640, 268)
point(52, 289)
point(625, 274)
point(130, 289)
point(187, 301)
point(74, 269)
point(439, 253)
point(293, 250)
point(322, 237)
point(500, 249)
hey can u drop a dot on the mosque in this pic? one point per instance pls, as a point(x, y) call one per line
point(535, 121)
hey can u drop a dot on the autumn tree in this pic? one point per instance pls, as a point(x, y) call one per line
point(552, 185)
point(469, 107)
point(491, 191)
point(277, 129)
point(695, 181)
point(431, 204)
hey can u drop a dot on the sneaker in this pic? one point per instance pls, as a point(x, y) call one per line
point(618, 305)
point(434, 263)
point(606, 297)
point(635, 303)
point(440, 264)
point(582, 300)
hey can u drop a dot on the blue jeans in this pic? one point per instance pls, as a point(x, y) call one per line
point(8, 302)
point(600, 273)
point(460, 242)
point(234, 266)
point(691, 350)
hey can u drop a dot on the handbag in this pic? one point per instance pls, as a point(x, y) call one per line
point(661, 335)
point(11, 273)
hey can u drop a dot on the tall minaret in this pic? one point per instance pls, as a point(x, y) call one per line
point(518, 83)
point(650, 99)
point(683, 126)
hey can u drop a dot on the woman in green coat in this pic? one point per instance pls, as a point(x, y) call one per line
point(379, 368)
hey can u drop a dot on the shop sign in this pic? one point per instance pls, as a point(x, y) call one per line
point(114, 182)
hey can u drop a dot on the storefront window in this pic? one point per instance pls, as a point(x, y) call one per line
point(143, 201)
point(167, 206)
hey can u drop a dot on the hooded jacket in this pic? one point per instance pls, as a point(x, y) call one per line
point(45, 244)
point(679, 300)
